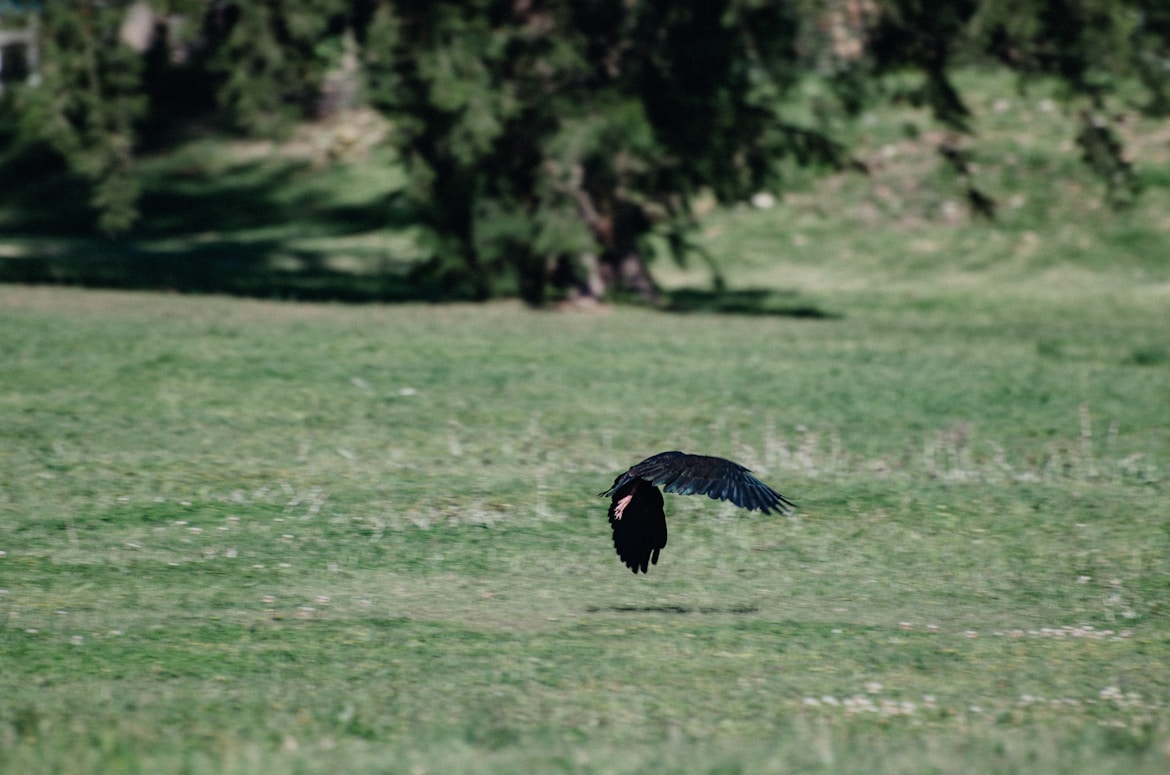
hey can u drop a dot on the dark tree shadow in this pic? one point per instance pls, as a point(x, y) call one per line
point(240, 230)
point(754, 301)
point(202, 232)
point(240, 269)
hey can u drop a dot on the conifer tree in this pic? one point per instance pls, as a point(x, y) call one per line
point(547, 140)
point(88, 101)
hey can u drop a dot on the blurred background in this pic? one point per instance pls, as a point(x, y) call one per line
point(569, 152)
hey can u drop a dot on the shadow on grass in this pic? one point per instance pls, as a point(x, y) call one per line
point(672, 609)
point(241, 269)
point(239, 227)
point(752, 301)
point(238, 231)
point(262, 195)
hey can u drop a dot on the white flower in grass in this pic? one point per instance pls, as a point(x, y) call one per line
point(859, 703)
point(77, 640)
point(873, 687)
point(268, 599)
point(762, 200)
point(812, 702)
point(322, 599)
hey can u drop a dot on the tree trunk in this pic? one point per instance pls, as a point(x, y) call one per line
point(620, 266)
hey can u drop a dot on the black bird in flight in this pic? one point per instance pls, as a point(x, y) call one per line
point(636, 515)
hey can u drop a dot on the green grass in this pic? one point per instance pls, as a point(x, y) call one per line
point(265, 537)
point(247, 536)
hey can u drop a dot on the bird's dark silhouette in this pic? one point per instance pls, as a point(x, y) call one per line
point(636, 514)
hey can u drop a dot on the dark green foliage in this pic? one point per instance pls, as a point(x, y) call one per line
point(541, 133)
point(88, 102)
point(924, 35)
point(551, 144)
point(269, 58)
point(1090, 46)
point(1151, 49)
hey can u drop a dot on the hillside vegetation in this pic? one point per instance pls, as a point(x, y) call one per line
point(265, 536)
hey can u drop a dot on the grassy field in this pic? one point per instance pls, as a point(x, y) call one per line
point(245, 536)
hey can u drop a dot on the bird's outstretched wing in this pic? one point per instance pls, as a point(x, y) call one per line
point(639, 524)
point(714, 477)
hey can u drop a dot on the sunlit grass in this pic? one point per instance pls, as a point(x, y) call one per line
point(247, 537)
